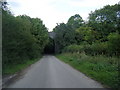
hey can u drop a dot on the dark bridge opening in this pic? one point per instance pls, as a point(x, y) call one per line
point(50, 47)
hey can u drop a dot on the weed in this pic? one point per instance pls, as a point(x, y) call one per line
point(100, 68)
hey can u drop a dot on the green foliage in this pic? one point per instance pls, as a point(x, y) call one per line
point(12, 69)
point(101, 33)
point(100, 68)
point(74, 49)
point(65, 33)
point(114, 43)
point(105, 20)
point(39, 31)
point(64, 36)
point(109, 48)
point(96, 49)
point(75, 21)
point(24, 38)
point(86, 34)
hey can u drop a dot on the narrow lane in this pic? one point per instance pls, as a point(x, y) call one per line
point(50, 72)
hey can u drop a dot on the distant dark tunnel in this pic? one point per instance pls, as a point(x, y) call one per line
point(50, 47)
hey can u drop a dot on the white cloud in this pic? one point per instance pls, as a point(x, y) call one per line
point(56, 11)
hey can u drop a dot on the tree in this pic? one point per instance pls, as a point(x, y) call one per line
point(75, 21)
point(114, 43)
point(39, 31)
point(24, 38)
point(86, 34)
point(64, 36)
point(105, 20)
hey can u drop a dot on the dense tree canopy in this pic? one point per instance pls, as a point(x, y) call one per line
point(100, 35)
point(75, 21)
point(85, 34)
point(106, 20)
point(64, 36)
point(24, 38)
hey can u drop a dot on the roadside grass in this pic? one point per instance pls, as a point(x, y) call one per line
point(12, 69)
point(100, 68)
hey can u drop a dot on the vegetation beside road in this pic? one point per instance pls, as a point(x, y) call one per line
point(24, 40)
point(93, 46)
point(12, 69)
point(101, 68)
point(99, 35)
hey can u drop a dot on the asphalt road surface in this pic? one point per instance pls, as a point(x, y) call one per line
point(50, 72)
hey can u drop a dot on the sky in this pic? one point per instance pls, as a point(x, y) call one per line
point(56, 11)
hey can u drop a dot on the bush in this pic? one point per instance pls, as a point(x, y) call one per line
point(94, 49)
point(114, 44)
point(74, 48)
point(99, 48)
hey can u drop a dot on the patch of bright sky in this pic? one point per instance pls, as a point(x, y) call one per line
point(56, 11)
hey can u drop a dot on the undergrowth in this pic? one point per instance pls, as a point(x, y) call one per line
point(101, 68)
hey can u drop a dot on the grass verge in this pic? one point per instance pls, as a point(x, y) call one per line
point(11, 69)
point(100, 68)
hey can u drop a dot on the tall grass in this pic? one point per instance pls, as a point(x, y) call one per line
point(101, 68)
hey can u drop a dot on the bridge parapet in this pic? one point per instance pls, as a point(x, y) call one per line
point(52, 35)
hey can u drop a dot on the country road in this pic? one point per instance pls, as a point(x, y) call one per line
point(50, 72)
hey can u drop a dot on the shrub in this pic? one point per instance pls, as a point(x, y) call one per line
point(114, 44)
point(74, 48)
